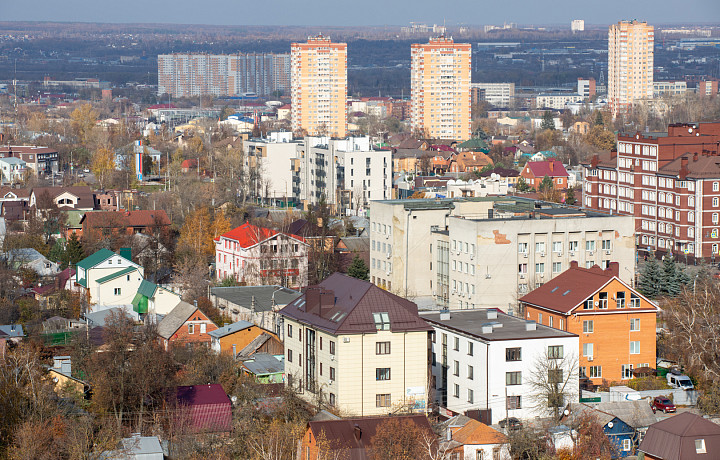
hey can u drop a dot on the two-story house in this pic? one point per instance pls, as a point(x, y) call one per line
point(186, 325)
point(257, 255)
point(107, 278)
point(535, 171)
point(356, 347)
point(616, 323)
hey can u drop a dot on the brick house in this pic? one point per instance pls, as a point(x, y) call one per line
point(535, 171)
point(615, 323)
point(186, 325)
point(101, 223)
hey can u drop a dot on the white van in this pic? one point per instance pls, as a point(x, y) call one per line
point(680, 381)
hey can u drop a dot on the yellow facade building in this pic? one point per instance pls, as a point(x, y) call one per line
point(630, 64)
point(319, 87)
point(440, 84)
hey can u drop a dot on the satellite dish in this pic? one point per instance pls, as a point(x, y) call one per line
point(566, 412)
point(610, 425)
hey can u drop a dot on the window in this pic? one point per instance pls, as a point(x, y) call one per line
point(457, 344)
point(557, 267)
point(290, 330)
point(480, 454)
point(634, 324)
point(332, 347)
point(513, 378)
point(590, 245)
point(191, 328)
point(620, 299)
point(634, 301)
point(588, 305)
point(540, 246)
point(627, 444)
point(587, 349)
point(588, 326)
point(470, 396)
point(715, 219)
point(522, 269)
point(540, 268)
point(289, 356)
point(117, 291)
point(572, 246)
point(332, 399)
point(513, 354)
point(555, 376)
point(332, 373)
point(382, 373)
point(514, 402)
point(603, 299)
point(203, 328)
point(555, 351)
point(382, 348)
point(595, 372)
point(470, 348)
point(382, 321)
point(635, 347)
point(716, 186)
point(539, 318)
point(700, 443)
point(456, 368)
point(382, 400)
point(716, 202)
point(471, 373)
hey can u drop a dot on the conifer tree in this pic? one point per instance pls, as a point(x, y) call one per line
point(669, 281)
point(650, 278)
point(358, 269)
point(74, 252)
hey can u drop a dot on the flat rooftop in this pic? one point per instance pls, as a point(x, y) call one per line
point(505, 327)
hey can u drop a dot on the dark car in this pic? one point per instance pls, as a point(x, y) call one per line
point(512, 423)
point(663, 404)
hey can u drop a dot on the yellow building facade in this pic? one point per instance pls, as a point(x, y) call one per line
point(319, 87)
point(630, 64)
point(440, 84)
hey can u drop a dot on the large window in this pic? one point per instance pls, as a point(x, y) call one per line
point(603, 299)
point(470, 348)
point(588, 326)
point(620, 299)
point(513, 354)
point(588, 350)
point(471, 396)
point(555, 376)
point(595, 372)
point(514, 402)
point(634, 324)
point(382, 321)
point(382, 348)
point(555, 351)
point(382, 373)
point(635, 347)
point(382, 400)
point(456, 391)
point(513, 378)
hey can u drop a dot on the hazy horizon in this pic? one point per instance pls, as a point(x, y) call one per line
point(328, 13)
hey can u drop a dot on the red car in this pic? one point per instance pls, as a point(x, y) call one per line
point(663, 404)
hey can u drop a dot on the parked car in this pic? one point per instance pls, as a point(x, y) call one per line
point(680, 381)
point(512, 423)
point(86, 171)
point(663, 404)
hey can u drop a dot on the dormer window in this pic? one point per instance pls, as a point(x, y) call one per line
point(382, 321)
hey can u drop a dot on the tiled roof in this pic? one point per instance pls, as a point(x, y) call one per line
point(117, 274)
point(345, 305)
point(570, 288)
point(542, 168)
point(248, 235)
point(115, 219)
point(476, 433)
point(84, 194)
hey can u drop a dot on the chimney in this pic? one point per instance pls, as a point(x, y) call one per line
point(357, 432)
point(695, 156)
point(445, 315)
point(573, 264)
point(683, 168)
point(552, 166)
point(312, 300)
point(613, 154)
point(595, 160)
point(327, 302)
point(530, 326)
point(613, 269)
point(487, 329)
point(491, 313)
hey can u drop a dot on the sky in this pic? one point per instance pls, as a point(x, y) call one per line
point(360, 13)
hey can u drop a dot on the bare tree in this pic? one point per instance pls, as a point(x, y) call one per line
point(553, 381)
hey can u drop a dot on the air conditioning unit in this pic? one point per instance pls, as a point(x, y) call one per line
point(389, 254)
point(330, 382)
point(332, 357)
point(488, 276)
point(590, 358)
point(472, 256)
point(592, 253)
point(522, 277)
point(387, 235)
point(559, 253)
point(525, 255)
point(607, 251)
point(572, 253)
point(434, 294)
point(458, 252)
point(542, 254)
point(454, 291)
point(542, 275)
point(387, 272)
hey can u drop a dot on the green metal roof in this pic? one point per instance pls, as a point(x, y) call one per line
point(83, 282)
point(474, 143)
point(92, 260)
point(147, 288)
point(112, 276)
point(140, 303)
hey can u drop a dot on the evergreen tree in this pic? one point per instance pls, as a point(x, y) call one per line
point(74, 252)
point(570, 197)
point(546, 184)
point(669, 282)
point(522, 186)
point(358, 269)
point(599, 121)
point(57, 254)
point(650, 278)
point(547, 121)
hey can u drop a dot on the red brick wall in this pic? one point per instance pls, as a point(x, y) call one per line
point(182, 336)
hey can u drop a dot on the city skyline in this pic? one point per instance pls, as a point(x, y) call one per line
point(326, 13)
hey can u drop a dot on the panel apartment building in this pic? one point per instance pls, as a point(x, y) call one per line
point(630, 64)
point(670, 184)
point(470, 253)
point(440, 88)
point(319, 87)
point(187, 75)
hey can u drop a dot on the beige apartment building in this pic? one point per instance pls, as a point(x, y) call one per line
point(440, 84)
point(357, 348)
point(630, 64)
point(467, 253)
point(319, 87)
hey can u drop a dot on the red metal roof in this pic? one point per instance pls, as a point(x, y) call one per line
point(204, 407)
point(544, 168)
point(248, 235)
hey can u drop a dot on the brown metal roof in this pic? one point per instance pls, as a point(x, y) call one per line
point(345, 305)
point(674, 438)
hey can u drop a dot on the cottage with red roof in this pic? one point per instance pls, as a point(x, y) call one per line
point(261, 256)
point(616, 323)
point(535, 171)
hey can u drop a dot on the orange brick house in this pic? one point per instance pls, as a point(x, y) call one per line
point(186, 325)
point(535, 171)
point(243, 339)
point(615, 323)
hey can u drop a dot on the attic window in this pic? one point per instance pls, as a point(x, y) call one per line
point(554, 289)
point(566, 292)
point(301, 304)
point(382, 321)
point(700, 446)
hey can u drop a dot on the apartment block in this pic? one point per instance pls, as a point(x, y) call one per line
point(319, 87)
point(440, 88)
point(273, 158)
point(467, 253)
point(587, 87)
point(669, 88)
point(357, 348)
point(485, 360)
point(577, 25)
point(497, 94)
point(707, 87)
point(668, 182)
point(349, 173)
point(557, 101)
point(615, 323)
point(187, 75)
point(630, 64)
